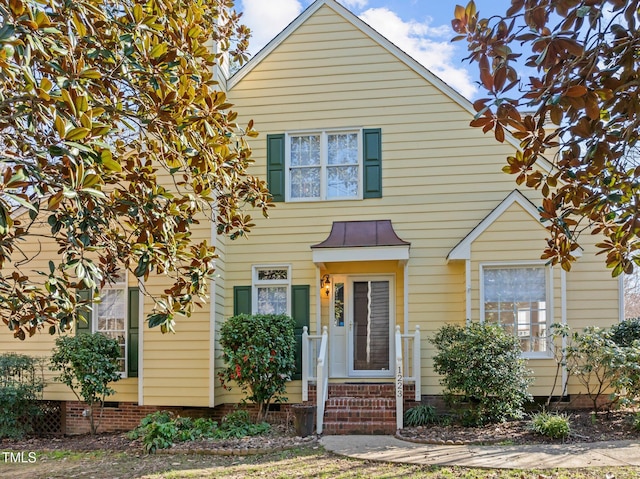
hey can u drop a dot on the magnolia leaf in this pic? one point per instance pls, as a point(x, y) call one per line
point(77, 134)
point(576, 91)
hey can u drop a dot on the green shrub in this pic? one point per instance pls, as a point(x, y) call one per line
point(420, 415)
point(259, 352)
point(160, 417)
point(161, 430)
point(555, 426)
point(238, 424)
point(88, 363)
point(159, 435)
point(482, 369)
point(21, 385)
point(594, 359)
point(626, 332)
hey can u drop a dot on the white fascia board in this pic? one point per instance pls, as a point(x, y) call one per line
point(275, 42)
point(361, 253)
point(462, 251)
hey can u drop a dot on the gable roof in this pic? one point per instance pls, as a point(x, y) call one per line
point(364, 28)
point(462, 250)
point(377, 37)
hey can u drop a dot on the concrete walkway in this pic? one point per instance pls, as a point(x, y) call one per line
point(391, 449)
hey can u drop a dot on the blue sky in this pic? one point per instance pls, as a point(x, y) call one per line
point(422, 28)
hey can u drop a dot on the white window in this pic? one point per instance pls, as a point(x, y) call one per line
point(324, 165)
point(271, 289)
point(516, 297)
point(110, 317)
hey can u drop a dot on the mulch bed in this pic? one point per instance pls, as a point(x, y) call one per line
point(279, 438)
point(585, 427)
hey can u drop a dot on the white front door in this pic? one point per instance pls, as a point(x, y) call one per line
point(337, 329)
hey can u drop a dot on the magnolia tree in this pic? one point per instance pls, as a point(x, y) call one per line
point(584, 114)
point(114, 139)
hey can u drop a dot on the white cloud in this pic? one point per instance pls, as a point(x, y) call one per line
point(267, 19)
point(428, 45)
point(354, 3)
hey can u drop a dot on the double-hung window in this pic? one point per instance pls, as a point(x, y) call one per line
point(325, 165)
point(516, 297)
point(115, 315)
point(272, 289)
point(110, 317)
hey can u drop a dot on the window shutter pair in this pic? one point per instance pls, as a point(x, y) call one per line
point(85, 327)
point(372, 164)
point(300, 311)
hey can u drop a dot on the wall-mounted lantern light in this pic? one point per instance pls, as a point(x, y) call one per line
point(326, 284)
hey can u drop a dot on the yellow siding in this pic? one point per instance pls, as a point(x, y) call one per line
point(41, 345)
point(440, 177)
point(176, 366)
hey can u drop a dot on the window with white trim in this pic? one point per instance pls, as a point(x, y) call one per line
point(325, 165)
point(271, 289)
point(110, 317)
point(516, 297)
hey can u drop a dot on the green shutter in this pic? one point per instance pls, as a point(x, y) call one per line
point(372, 144)
point(300, 310)
point(241, 300)
point(83, 323)
point(133, 332)
point(275, 166)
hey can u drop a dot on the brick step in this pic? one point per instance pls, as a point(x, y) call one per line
point(385, 390)
point(360, 414)
point(361, 402)
point(360, 427)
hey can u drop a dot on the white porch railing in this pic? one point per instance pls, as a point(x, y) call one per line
point(322, 383)
point(310, 347)
point(316, 346)
point(414, 370)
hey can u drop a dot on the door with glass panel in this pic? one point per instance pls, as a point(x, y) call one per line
point(338, 328)
point(371, 319)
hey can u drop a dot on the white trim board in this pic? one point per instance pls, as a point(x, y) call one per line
point(462, 251)
point(361, 253)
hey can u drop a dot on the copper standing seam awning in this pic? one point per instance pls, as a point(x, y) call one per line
point(373, 240)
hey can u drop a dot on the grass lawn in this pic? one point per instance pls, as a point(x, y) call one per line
point(298, 463)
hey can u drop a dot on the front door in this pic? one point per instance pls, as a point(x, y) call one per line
point(371, 317)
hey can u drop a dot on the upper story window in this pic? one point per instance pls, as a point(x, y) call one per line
point(516, 297)
point(324, 165)
point(344, 164)
point(272, 289)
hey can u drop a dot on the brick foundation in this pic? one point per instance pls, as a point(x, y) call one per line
point(370, 409)
point(123, 416)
